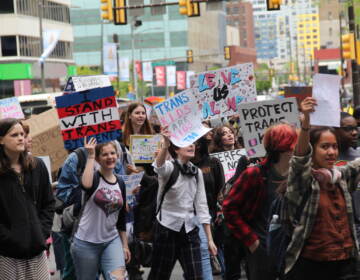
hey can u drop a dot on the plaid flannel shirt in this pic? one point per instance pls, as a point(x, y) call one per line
point(300, 178)
point(241, 206)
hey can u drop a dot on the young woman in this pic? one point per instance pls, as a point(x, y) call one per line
point(176, 234)
point(100, 241)
point(323, 244)
point(26, 207)
point(224, 140)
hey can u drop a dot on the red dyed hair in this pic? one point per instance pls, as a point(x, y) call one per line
point(280, 138)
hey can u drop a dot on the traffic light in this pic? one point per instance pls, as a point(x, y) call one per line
point(273, 5)
point(107, 8)
point(227, 54)
point(358, 52)
point(189, 8)
point(120, 15)
point(189, 56)
point(348, 46)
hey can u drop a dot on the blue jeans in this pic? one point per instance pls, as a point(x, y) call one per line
point(89, 258)
point(205, 255)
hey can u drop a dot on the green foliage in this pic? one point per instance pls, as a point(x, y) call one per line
point(88, 70)
point(262, 85)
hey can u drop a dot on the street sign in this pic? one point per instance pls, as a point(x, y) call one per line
point(163, 63)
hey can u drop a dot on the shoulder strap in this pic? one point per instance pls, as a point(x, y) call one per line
point(80, 153)
point(173, 177)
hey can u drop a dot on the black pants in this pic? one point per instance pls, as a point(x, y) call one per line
point(314, 270)
point(260, 266)
point(234, 253)
point(170, 246)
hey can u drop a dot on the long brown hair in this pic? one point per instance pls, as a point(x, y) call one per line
point(25, 160)
point(217, 145)
point(128, 128)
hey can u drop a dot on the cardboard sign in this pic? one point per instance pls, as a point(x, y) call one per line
point(300, 93)
point(10, 108)
point(256, 117)
point(221, 91)
point(46, 138)
point(183, 117)
point(131, 182)
point(143, 147)
point(229, 161)
point(89, 113)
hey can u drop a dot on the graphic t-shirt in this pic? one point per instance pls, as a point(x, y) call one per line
point(99, 218)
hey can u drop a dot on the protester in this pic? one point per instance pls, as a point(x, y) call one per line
point(323, 244)
point(26, 207)
point(246, 207)
point(224, 140)
point(214, 179)
point(100, 241)
point(347, 134)
point(28, 138)
point(176, 232)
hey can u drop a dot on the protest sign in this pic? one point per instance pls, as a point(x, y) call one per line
point(326, 92)
point(229, 160)
point(143, 147)
point(183, 117)
point(300, 93)
point(10, 108)
point(256, 117)
point(89, 113)
point(81, 83)
point(131, 182)
point(221, 91)
point(46, 138)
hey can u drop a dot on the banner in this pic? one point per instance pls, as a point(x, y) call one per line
point(138, 68)
point(10, 108)
point(110, 63)
point(181, 80)
point(50, 39)
point(46, 138)
point(160, 76)
point(131, 183)
point(189, 74)
point(143, 147)
point(229, 161)
point(91, 113)
point(256, 117)
point(147, 71)
point(221, 91)
point(81, 83)
point(183, 117)
point(171, 76)
point(124, 63)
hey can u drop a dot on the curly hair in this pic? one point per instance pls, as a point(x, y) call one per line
point(217, 145)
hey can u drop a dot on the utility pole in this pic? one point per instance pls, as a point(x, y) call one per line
point(354, 66)
point(133, 59)
point(42, 63)
point(102, 45)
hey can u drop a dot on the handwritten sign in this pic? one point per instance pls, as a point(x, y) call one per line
point(143, 147)
point(256, 117)
point(89, 113)
point(182, 116)
point(46, 138)
point(131, 182)
point(229, 161)
point(81, 83)
point(221, 91)
point(10, 108)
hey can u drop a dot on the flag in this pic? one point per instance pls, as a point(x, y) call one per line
point(50, 39)
point(160, 76)
point(147, 71)
point(171, 76)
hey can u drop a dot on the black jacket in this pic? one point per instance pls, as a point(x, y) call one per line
point(26, 213)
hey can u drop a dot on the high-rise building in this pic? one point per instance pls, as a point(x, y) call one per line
point(329, 16)
point(20, 47)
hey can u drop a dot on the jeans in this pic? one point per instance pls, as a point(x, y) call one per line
point(205, 255)
point(89, 258)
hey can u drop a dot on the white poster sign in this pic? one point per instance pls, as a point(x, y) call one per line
point(82, 83)
point(144, 147)
point(256, 117)
point(131, 183)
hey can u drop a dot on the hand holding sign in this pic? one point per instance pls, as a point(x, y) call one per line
point(165, 142)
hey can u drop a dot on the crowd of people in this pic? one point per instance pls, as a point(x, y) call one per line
point(185, 210)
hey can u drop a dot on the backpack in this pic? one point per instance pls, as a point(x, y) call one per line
point(146, 210)
point(280, 229)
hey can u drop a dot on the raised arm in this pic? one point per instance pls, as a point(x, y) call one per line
point(88, 175)
point(165, 143)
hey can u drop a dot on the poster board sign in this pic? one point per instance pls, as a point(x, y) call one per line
point(10, 108)
point(46, 138)
point(183, 117)
point(221, 91)
point(131, 182)
point(81, 83)
point(300, 93)
point(229, 161)
point(143, 147)
point(256, 117)
point(90, 113)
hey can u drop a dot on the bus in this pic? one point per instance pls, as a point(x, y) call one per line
point(37, 103)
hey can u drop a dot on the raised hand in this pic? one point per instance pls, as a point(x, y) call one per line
point(308, 105)
point(89, 145)
point(165, 142)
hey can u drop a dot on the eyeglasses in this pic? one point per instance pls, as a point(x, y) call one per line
point(349, 128)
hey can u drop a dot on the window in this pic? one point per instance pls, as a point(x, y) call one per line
point(8, 46)
point(6, 6)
